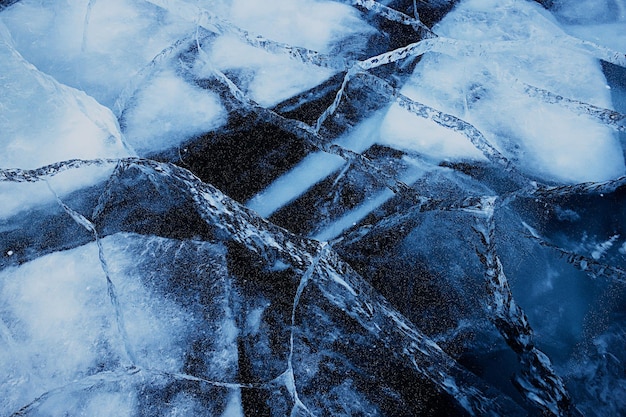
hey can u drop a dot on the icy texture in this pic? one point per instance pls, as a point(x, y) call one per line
point(72, 309)
point(80, 42)
point(168, 112)
point(44, 121)
point(433, 218)
point(481, 88)
point(169, 312)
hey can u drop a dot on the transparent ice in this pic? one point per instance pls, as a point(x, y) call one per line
point(312, 207)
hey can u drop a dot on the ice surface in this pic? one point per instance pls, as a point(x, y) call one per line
point(87, 53)
point(270, 78)
point(178, 316)
point(267, 78)
point(58, 324)
point(21, 197)
point(313, 169)
point(131, 287)
point(357, 214)
point(81, 50)
point(403, 130)
point(169, 111)
point(317, 25)
point(542, 139)
point(601, 22)
point(43, 121)
point(71, 308)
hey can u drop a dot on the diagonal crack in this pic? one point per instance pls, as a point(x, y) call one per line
point(113, 297)
point(538, 381)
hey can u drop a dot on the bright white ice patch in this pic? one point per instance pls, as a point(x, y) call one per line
point(485, 90)
point(267, 78)
point(58, 323)
point(311, 24)
point(169, 111)
point(96, 50)
point(404, 131)
point(43, 121)
point(317, 25)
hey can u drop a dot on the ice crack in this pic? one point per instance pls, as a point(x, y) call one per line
point(588, 265)
point(119, 316)
point(215, 24)
point(538, 381)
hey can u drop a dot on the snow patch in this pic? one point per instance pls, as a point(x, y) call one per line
point(543, 139)
point(169, 111)
point(97, 55)
point(43, 121)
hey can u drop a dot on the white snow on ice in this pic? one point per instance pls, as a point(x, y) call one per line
point(43, 121)
point(168, 111)
point(543, 139)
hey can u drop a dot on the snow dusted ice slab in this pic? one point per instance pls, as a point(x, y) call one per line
point(64, 335)
point(168, 111)
point(600, 21)
point(43, 121)
point(486, 89)
point(94, 46)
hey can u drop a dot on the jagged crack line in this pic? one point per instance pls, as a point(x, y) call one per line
point(213, 23)
point(612, 118)
point(221, 384)
point(88, 383)
point(413, 50)
point(588, 265)
point(269, 241)
point(335, 104)
point(235, 91)
point(93, 381)
point(596, 188)
point(306, 276)
point(538, 381)
point(445, 120)
point(119, 317)
point(315, 140)
point(40, 174)
point(601, 52)
point(62, 91)
point(405, 341)
point(106, 193)
point(396, 16)
point(341, 174)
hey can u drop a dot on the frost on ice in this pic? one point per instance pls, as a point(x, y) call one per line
point(44, 121)
point(485, 89)
point(419, 208)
